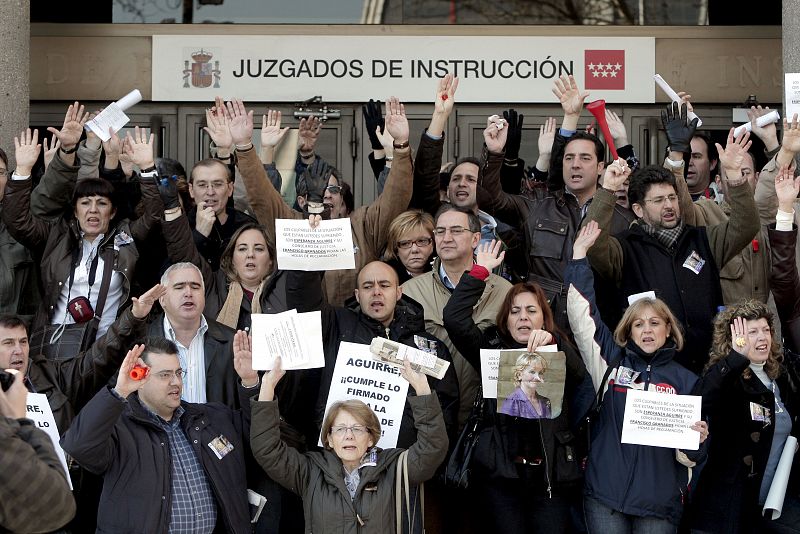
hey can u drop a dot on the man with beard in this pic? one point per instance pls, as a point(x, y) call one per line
point(661, 253)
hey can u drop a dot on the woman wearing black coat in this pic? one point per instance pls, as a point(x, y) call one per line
point(528, 473)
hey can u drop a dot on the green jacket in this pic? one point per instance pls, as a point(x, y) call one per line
point(318, 477)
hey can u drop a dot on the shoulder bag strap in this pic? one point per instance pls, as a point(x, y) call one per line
point(105, 284)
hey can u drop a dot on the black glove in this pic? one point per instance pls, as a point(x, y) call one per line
point(679, 130)
point(315, 178)
point(168, 190)
point(373, 118)
point(514, 121)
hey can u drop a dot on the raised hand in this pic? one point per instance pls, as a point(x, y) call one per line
point(373, 119)
point(547, 134)
point(514, 121)
point(496, 134)
point(740, 341)
point(791, 135)
point(490, 255)
point(396, 121)
point(308, 134)
point(386, 140)
point(71, 131)
point(26, 151)
point(168, 191)
point(243, 358)
point(49, 152)
point(616, 174)
point(270, 380)
point(417, 380)
point(569, 94)
point(240, 122)
point(139, 148)
point(142, 305)
point(767, 133)
point(125, 384)
point(678, 128)
point(445, 95)
point(585, 239)
point(92, 140)
point(732, 156)
point(786, 189)
point(217, 127)
point(539, 338)
point(271, 132)
point(617, 129)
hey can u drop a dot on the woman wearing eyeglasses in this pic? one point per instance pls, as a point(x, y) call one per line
point(409, 248)
point(350, 485)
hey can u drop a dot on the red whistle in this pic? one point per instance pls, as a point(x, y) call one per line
point(755, 245)
point(139, 372)
point(444, 97)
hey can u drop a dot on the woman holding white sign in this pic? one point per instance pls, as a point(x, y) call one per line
point(527, 464)
point(629, 488)
point(350, 485)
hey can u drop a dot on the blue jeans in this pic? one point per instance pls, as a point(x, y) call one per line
point(600, 519)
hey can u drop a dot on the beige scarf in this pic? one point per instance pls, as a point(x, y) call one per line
point(229, 314)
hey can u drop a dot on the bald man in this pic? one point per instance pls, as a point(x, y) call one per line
point(377, 309)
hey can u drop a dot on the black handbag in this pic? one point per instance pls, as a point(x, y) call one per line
point(458, 471)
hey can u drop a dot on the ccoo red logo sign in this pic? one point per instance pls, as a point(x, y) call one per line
point(663, 388)
point(604, 69)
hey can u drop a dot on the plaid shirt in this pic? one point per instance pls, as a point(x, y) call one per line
point(194, 508)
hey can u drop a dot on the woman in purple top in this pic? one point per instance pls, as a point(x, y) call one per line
point(525, 401)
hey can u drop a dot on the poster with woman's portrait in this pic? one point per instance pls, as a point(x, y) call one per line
point(531, 385)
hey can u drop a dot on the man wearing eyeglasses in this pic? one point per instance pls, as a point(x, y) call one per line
point(457, 231)
point(661, 253)
point(167, 465)
point(213, 221)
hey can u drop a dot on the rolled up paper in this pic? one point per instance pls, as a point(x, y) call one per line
point(763, 120)
point(662, 83)
point(138, 372)
point(129, 100)
point(777, 490)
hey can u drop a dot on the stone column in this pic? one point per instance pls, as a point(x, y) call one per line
point(791, 38)
point(15, 37)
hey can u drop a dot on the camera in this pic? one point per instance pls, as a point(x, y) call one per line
point(6, 379)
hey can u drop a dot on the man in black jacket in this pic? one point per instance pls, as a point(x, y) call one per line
point(167, 465)
point(204, 345)
point(378, 309)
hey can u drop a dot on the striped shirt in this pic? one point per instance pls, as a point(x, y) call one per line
point(193, 362)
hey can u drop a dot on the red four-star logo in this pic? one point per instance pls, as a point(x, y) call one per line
point(604, 69)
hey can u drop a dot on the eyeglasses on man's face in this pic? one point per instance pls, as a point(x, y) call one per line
point(167, 375)
point(454, 230)
point(659, 201)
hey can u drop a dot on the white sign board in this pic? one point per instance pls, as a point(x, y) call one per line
point(357, 375)
point(39, 411)
point(792, 87)
point(661, 419)
point(348, 69)
point(295, 337)
point(327, 247)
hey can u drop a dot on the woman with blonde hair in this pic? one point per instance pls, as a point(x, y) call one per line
point(409, 246)
point(629, 488)
point(525, 401)
point(751, 403)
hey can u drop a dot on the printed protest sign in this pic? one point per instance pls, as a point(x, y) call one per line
point(295, 337)
point(39, 411)
point(661, 419)
point(357, 375)
point(325, 248)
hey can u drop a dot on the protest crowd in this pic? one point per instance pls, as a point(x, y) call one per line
point(526, 313)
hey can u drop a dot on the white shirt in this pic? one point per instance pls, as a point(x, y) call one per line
point(193, 361)
point(80, 286)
